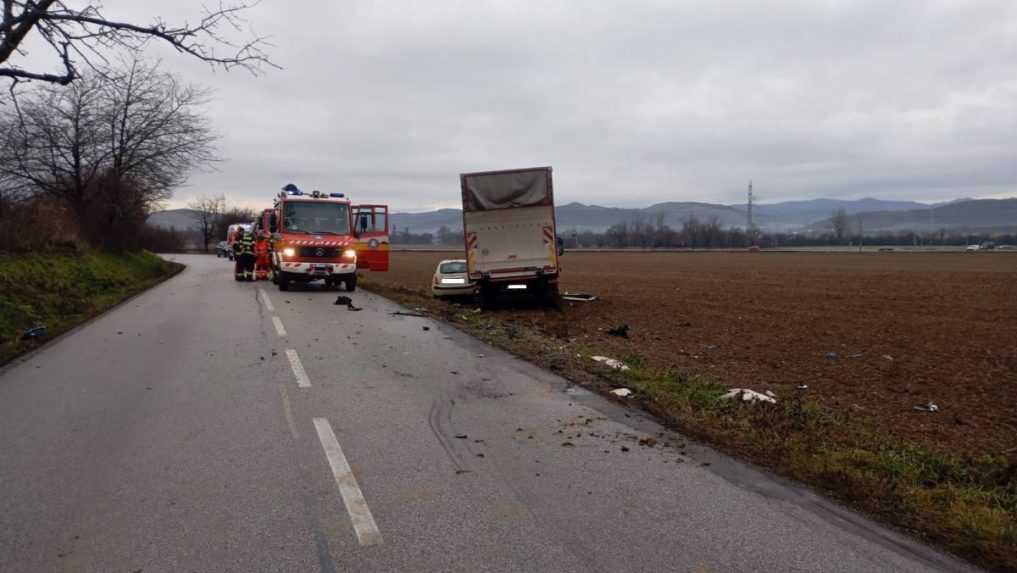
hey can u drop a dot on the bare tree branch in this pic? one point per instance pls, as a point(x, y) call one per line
point(76, 35)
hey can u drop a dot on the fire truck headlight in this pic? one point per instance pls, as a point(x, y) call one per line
point(349, 254)
point(288, 252)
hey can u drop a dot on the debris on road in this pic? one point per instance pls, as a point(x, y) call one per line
point(461, 436)
point(567, 445)
point(648, 442)
point(345, 300)
point(831, 356)
point(621, 330)
point(747, 395)
point(413, 314)
point(624, 448)
point(888, 357)
point(613, 363)
point(579, 297)
point(34, 332)
point(930, 407)
point(622, 392)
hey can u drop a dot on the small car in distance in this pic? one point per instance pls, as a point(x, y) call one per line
point(451, 279)
point(221, 249)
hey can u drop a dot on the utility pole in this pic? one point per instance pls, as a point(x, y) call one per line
point(861, 234)
point(750, 205)
point(751, 227)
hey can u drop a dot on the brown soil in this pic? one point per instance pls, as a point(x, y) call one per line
point(907, 329)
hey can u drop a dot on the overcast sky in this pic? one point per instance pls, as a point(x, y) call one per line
point(631, 102)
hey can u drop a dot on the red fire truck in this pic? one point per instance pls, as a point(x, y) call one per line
point(322, 236)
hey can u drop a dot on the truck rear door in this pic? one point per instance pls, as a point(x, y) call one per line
point(508, 222)
point(370, 226)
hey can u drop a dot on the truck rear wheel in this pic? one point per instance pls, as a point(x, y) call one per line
point(550, 295)
point(488, 297)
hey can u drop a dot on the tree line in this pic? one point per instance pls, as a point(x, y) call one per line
point(95, 157)
point(89, 146)
point(696, 233)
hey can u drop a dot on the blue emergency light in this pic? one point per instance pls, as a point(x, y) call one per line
point(338, 195)
point(292, 189)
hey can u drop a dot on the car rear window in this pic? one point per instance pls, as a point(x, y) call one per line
point(452, 268)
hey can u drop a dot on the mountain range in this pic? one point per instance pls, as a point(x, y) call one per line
point(790, 216)
point(814, 215)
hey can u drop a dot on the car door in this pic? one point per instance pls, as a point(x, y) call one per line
point(370, 226)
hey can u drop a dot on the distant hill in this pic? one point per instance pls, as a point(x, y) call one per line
point(785, 216)
point(805, 216)
point(793, 215)
point(180, 219)
point(972, 215)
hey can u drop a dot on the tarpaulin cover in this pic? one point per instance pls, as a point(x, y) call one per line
point(503, 190)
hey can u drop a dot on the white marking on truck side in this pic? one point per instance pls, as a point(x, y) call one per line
point(356, 506)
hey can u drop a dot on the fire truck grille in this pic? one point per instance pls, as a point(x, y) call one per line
point(319, 252)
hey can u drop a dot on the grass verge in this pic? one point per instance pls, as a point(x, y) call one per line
point(62, 290)
point(966, 505)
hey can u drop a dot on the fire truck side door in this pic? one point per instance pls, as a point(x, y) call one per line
point(370, 225)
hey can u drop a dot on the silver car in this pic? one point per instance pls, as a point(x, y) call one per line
point(451, 279)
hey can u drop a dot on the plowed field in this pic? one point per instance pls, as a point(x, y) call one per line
point(878, 334)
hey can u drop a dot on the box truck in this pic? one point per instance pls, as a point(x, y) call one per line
point(509, 229)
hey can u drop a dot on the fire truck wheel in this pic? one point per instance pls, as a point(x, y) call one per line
point(351, 283)
point(283, 281)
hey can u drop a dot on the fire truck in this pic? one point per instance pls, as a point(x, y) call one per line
point(323, 236)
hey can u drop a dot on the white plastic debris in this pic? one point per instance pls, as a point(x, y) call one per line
point(930, 407)
point(747, 395)
point(613, 363)
point(622, 392)
point(579, 296)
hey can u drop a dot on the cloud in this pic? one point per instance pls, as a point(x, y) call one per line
point(632, 103)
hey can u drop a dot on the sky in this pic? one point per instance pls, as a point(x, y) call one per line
point(631, 102)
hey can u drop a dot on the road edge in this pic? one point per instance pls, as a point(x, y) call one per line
point(21, 357)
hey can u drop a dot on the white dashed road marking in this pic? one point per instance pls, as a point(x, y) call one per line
point(267, 301)
point(288, 412)
point(353, 498)
point(279, 328)
point(298, 369)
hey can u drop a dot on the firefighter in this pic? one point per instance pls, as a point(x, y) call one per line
point(243, 250)
point(261, 257)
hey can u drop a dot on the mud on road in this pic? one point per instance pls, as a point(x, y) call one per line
point(872, 334)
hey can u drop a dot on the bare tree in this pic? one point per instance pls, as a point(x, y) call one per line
point(209, 210)
point(110, 147)
point(839, 220)
point(83, 35)
point(55, 144)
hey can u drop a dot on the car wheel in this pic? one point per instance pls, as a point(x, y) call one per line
point(351, 283)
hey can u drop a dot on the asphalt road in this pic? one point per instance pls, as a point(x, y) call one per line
point(204, 426)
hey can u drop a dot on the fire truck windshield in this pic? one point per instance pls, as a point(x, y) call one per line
point(316, 217)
